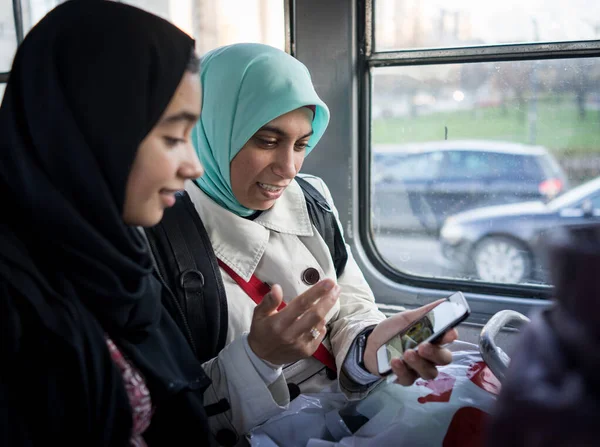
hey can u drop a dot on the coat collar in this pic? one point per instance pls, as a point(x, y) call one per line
point(239, 242)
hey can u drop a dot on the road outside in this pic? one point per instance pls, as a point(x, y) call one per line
point(413, 254)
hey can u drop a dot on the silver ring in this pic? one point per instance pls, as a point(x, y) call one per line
point(315, 333)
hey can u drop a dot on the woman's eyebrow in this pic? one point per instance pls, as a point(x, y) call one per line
point(181, 116)
point(282, 133)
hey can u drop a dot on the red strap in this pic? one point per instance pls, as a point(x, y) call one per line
point(325, 357)
point(256, 289)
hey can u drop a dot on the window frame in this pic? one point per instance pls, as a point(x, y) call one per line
point(334, 40)
point(289, 27)
point(369, 59)
point(289, 12)
point(18, 19)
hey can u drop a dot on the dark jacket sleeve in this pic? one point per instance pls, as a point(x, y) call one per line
point(52, 391)
point(548, 397)
point(12, 428)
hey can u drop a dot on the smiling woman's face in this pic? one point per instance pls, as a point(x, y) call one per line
point(269, 161)
point(165, 159)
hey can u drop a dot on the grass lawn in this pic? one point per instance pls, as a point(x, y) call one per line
point(558, 127)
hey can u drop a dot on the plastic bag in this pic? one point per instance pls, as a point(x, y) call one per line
point(449, 411)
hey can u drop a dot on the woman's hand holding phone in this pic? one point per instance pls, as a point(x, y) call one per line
point(421, 362)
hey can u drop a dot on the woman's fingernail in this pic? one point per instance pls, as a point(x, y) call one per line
point(328, 285)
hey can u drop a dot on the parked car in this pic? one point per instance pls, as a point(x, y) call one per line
point(415, 187)
point(500, 243)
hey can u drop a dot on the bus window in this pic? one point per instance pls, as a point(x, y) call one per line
point(511, 137)
point(214, 24)
point(411, 24)
point(8, 37)
point(34, 10)
point(27, 15)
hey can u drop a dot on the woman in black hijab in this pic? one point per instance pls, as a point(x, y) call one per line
point(94, 139)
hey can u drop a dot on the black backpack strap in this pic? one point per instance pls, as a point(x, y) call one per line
point(188, 266)
point(322, 217)
point(186, 262)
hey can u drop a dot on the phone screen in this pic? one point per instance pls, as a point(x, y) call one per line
point(445, 315)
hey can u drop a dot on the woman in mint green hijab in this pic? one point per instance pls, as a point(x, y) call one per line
point(260, 118)
point(253, 84)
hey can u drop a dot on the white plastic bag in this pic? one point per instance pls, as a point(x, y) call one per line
point(305, 419)
point(449, 411)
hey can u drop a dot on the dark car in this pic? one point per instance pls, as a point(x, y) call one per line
point(500, 243)
point(415, 187)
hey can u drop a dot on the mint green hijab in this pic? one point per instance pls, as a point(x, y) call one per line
point(245, 86)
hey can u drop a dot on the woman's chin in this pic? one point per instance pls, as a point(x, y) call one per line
point(259, 204)
point(146, 220)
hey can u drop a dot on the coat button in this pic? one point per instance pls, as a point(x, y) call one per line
point(310, 276)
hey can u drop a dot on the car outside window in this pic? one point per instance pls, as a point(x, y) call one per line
point(516, 123)
point(466, 164)
point(414, 167)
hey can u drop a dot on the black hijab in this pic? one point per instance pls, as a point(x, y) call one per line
point(87, 85)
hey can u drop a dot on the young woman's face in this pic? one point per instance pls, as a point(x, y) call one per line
point(165, 159)
point(268, 162)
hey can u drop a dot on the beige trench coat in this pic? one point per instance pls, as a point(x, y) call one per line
point(277, 247)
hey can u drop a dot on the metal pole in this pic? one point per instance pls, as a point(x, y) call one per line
point(18, 16)
point(290, 26)
point(533, 109)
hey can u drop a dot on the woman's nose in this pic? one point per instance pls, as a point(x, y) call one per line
point(285, 164)
point(192, 167)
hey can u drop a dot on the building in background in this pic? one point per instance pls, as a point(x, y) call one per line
point(216, 23)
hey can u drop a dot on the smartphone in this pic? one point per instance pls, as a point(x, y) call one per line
point(430, 328)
